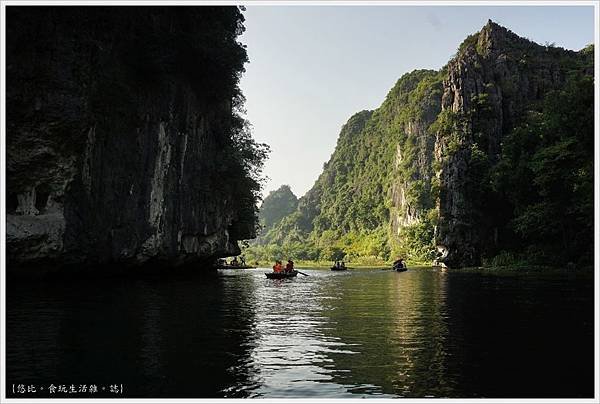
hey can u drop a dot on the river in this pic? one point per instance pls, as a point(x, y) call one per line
point(359, 333)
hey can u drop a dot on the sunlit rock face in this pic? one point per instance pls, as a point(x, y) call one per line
point(405, 212)
point(115, 137)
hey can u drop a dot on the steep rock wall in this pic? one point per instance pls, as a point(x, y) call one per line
point(411, 193)
point(489, 86)
point(118, 135)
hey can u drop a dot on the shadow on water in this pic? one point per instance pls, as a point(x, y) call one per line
point(521, 336)
point(166, 338)
point(362, 333)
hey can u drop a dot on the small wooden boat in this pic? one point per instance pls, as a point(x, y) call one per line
point(399, 268)
point(281, 275)
point(339, 269)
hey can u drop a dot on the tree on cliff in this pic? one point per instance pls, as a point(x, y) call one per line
point(546, 173)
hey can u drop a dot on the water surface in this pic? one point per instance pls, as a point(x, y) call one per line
point(360, 333)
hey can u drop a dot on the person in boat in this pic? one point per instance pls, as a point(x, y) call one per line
point(399, 264)
point(277, 268)
point(337, 265)
point(289, 267)
point(242, 260)
point(343, 265)
point(234, 262)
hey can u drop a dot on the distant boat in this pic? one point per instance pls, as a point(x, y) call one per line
point(281, 275)
point(399, 268)
point(334, 268)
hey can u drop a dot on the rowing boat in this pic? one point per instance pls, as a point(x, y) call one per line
point(400, 268)
point(281, 275)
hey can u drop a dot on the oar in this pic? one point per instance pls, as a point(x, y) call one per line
point(302, 273)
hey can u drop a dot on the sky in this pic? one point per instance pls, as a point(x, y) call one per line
point(312, 67)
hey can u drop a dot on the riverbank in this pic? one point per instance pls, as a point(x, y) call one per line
point(324, 265)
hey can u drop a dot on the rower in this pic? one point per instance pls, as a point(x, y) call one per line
point(289, 267)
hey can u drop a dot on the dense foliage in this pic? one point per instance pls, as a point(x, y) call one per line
point(545, 179)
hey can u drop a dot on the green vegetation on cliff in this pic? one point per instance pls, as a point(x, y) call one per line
point(545, 179)
point(347, 212)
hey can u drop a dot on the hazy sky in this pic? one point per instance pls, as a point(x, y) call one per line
point(312, 67)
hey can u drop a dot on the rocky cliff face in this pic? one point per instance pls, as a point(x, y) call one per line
point(490, 84)
point(411, 195)
point(119, 127)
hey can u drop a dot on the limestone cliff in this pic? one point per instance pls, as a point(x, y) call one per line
point(411, 194)
point(493, 81)
point(121, 135)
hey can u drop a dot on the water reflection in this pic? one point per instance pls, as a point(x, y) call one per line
point(363, 333)
point(292, 348)
point(420, 335)
point(400, 334)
